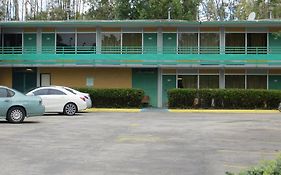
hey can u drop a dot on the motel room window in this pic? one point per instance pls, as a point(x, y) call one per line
point(13, 43)
point(66, 43)
point(188, 43)
point(111, 43)
point(256, 43)
point(187, 81)
point(132, 43)
point(235, 43)
point(209, 43)
point(235, 81)
point(86, 43)
point(208, 81)
point(256, 82)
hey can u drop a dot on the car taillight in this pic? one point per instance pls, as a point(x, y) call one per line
point(83, 98)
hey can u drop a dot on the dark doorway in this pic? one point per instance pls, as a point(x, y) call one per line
point(24, 79)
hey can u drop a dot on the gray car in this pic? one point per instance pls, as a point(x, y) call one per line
point(15, 106)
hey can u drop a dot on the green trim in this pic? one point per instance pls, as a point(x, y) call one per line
point(173, 60)
point(140, 23)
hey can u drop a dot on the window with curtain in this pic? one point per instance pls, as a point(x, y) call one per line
point(187, 81)
point(256, 43)
point(111, 43)
point(235, 43)
point(132, 43)
point(209, 81)
point(209, 43)
point(235, 81)
point(256, 82)
point(188, 43)
point(12, 43)
point(65, 43)
point(86, 42)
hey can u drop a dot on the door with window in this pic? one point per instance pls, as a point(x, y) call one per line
point(168, 82)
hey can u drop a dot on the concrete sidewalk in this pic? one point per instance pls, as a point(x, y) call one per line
point(134, 110)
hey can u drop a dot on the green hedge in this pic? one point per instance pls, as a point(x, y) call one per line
point(224, 98)
point(114, 98)
point(266, 168)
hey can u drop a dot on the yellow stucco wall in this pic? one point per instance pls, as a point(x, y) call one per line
point(6, 77)
point(103, 77)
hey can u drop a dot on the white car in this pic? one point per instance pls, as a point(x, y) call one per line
point(81, 94)
point(58, 99)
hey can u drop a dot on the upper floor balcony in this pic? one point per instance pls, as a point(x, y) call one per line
point(142, 56)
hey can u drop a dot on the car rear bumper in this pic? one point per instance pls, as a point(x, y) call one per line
point(36, 111)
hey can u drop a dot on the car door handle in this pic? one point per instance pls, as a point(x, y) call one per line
point(6, 100)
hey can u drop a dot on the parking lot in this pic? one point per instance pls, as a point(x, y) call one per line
point(138, 143)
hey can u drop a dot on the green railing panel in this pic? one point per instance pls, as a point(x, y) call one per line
point(140, 50)
point(141, 59)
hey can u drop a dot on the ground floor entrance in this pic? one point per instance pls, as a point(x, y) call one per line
point(24, 79)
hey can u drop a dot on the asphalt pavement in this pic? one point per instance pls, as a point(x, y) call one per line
point(138, 143)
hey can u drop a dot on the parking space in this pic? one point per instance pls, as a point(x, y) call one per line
point(139, 143)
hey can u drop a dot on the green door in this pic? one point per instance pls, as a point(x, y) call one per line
point(146, 79)
point(150, 43)
point(24, 79)
point(168, 82)
point(169, 43)
point(29, 43)
point(48, 43)
point(274, 82)
point(274, 42)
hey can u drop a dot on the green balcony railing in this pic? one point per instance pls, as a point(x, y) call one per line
point(139, 50)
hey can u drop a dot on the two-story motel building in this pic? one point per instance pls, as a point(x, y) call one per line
point(154, 55)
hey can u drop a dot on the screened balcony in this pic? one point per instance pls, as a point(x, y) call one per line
point(139, 50)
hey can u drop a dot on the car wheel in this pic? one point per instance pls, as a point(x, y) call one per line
point(70, 109)
point(16, 115)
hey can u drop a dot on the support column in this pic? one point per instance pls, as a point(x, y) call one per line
point(159, 41)
point(39, 41)
point(38, 77)
point(159, 87)
point(222, 40)
point(98, 44)
point(221, 79)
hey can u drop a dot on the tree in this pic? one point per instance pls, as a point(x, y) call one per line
point(103, 9)
point(218, 10)
point(264, 9)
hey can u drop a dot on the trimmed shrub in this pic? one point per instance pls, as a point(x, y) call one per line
point(114, 98)
point(224, 98)
point(266, 168)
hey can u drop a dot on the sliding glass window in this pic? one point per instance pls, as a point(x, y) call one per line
point(111, 43)
point(235, 43)
point(256, 43)
point(209, 81)
point(187, 81)
point(132, 43)
point(209, 43)
point(256, 82)
point(235, 81)
point(188, 43)
point(65, 43)
point(86, 43)
point(12, 44)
